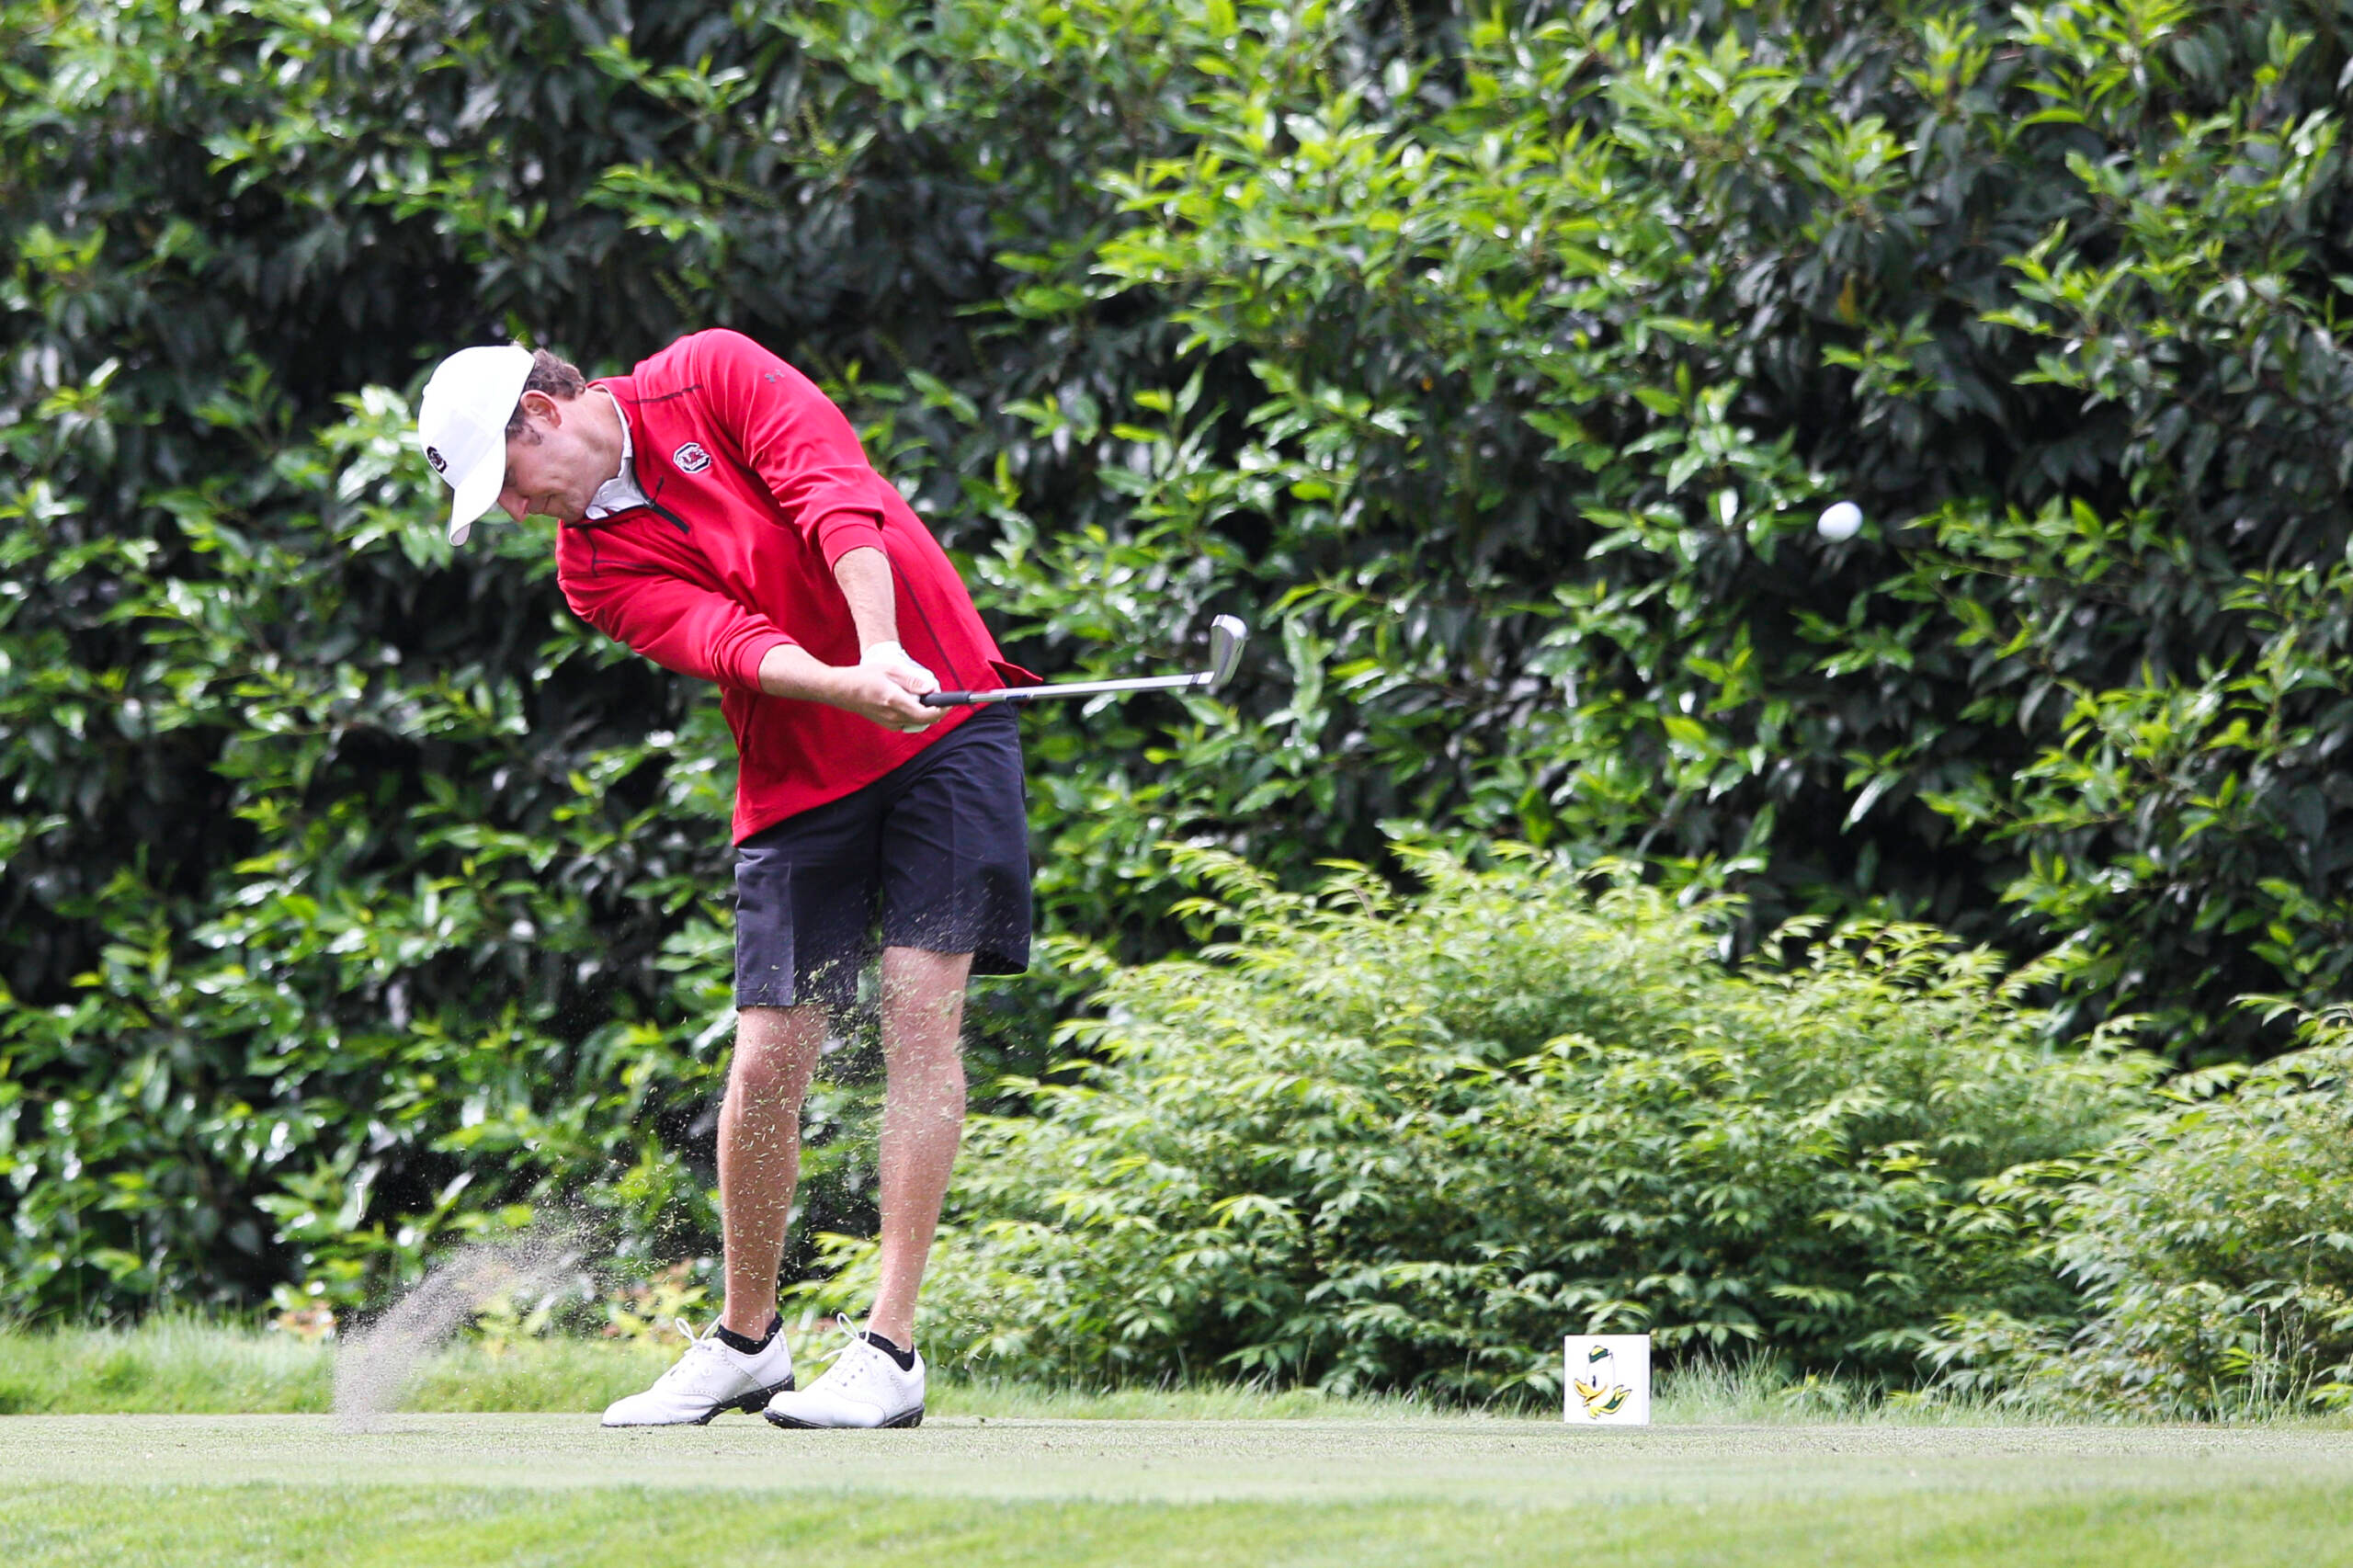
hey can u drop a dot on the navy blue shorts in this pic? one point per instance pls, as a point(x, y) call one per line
point(934, 855)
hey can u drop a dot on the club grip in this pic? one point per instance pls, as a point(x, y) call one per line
point(946, 699)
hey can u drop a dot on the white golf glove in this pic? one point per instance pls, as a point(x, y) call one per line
point(893, 661)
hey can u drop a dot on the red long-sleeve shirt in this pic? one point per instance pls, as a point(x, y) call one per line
point(755, 485)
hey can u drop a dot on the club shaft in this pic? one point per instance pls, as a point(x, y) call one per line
point(1063, 689)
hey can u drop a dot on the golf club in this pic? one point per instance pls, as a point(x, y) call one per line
point(1226, 635)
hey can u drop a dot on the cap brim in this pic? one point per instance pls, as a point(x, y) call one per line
point(477, 493)
point(485, 394)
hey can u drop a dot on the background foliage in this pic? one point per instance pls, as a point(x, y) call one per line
point(1493, 363)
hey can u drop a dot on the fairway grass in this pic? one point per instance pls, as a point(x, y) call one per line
point(1747, 1469)
point(68, 1526)
point(193, 1492)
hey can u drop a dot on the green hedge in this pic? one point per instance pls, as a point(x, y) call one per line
point(1373, 1145)
point(1493, 363)
point(2213, 1246)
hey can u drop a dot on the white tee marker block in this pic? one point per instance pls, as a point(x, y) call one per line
point(1605, 1380)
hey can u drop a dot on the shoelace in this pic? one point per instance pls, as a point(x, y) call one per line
point(856, 1376)
point(698, 1345)
point(849, 1331)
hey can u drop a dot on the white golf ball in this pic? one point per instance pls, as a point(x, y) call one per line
point(1839, 521)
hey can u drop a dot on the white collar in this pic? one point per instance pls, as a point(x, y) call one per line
point(619, 492)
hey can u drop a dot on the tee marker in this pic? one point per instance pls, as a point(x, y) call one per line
point(1605, 1380)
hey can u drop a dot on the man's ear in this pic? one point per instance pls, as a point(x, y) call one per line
point(539, 408)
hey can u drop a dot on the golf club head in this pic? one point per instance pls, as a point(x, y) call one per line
point(1226, 635)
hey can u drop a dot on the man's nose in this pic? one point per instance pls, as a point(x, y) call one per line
point(511, 502)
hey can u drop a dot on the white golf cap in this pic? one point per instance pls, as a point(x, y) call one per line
point(462, 420)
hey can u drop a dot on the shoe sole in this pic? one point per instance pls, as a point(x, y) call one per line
point(912, 1418)
point(753, 1403)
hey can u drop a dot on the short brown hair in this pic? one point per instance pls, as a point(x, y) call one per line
point(557, 378)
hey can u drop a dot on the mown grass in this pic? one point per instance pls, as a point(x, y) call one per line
point(192, 1366)
point(76, 1525)
point(239, 1494)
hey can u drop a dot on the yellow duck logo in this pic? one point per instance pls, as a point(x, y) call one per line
point(1604, 1395)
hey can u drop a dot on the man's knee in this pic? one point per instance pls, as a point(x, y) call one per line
point(779, 1047)
point(919, 976)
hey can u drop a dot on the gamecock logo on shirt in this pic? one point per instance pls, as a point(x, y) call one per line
point(691, 458)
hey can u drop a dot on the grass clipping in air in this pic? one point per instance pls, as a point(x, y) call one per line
point(381, 1361)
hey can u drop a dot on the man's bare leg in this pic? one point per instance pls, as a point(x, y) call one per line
point(923, 1120)
point(759, 1153)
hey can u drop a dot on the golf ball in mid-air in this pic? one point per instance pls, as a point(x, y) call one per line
point(1840, 520)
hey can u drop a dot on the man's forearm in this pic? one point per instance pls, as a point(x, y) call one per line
point(790, 670)
point(864, 575)
point(882, 686)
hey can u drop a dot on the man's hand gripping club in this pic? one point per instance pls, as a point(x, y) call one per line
point(885, 684)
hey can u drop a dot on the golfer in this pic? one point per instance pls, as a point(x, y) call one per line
point(718, 516)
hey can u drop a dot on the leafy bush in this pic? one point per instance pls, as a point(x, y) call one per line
point(2213, 1244)
point(1381, 1142)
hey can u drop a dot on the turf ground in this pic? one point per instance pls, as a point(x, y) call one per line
point(462, 1490)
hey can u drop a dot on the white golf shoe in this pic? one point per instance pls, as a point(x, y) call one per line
point(864, 1387)
point(707, 1378)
